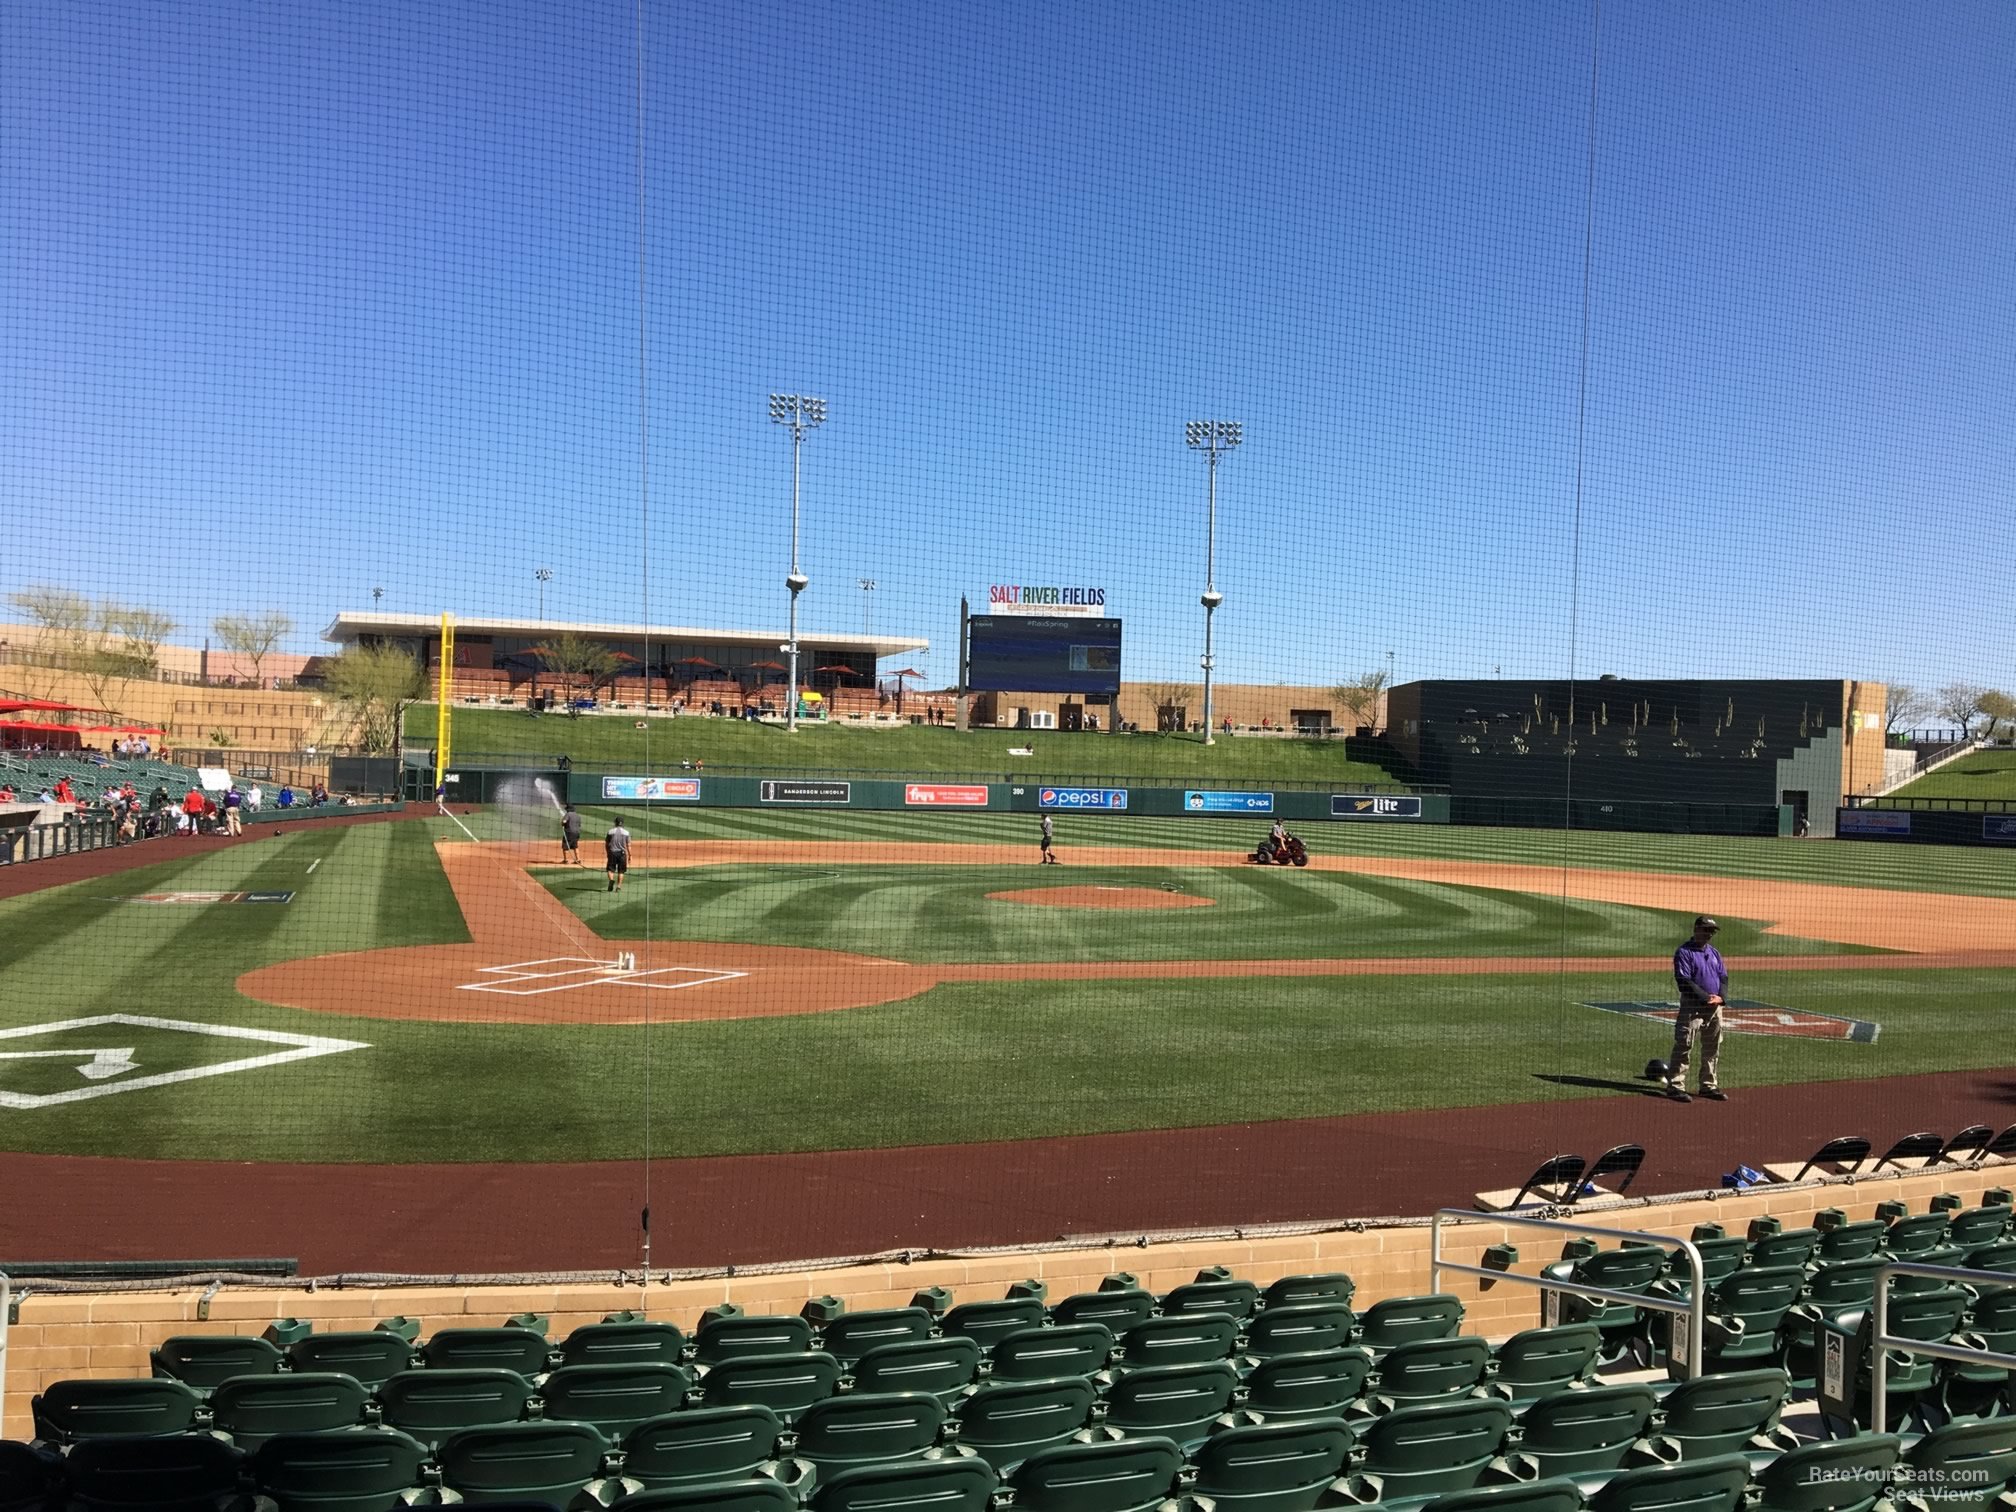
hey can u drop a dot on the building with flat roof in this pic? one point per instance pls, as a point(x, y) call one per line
point(500, 658)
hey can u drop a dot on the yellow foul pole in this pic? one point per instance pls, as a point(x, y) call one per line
point(443, 709)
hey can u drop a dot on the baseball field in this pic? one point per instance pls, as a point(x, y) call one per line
point(339, 1003)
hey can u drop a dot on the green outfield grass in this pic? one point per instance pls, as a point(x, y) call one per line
point(1839, 863)
point(1984, 774)
point(930, 914)
point(608, 740)
point(962, 1062)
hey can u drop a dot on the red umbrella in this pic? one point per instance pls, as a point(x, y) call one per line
point(899, 676)
point(766, 666)
point(850, 671)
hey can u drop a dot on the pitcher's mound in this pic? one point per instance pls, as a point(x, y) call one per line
point(1101, 897)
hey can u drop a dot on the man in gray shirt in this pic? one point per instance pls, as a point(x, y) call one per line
point(616, 845)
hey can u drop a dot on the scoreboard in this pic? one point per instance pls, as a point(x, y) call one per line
point(1036, 654)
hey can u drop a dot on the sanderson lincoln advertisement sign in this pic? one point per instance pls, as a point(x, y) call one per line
point(1036, 598)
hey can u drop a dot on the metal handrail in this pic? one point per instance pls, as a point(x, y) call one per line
point(1692, 1307)
point(1880, 1339)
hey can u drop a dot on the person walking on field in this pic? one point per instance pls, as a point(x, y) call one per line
point(1049, 835)
point(616, 845)
point(570, 837)
point(1703, 979)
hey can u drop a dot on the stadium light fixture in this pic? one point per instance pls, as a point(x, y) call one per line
point(1213, 438)
point(801, 412)
point(545, 576)
point(868, 586)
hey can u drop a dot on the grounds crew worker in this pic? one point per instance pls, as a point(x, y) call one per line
point(1703, 978)
point(616, 845)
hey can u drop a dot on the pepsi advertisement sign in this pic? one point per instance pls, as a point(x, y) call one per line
point(1081, 798)
point(1228, 803)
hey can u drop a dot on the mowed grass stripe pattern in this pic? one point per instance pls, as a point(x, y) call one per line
point(945, 914)
point(1841, 863)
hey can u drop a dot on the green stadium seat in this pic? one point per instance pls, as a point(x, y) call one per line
point(1933, 1317)
point(1976, 1227)
point(702, 1444)
point(1304, 1329)
point(1121, 1475)
point(1848, 1475)
point(1916, 1234)
point(785, 1383)
point(506, 1348)
point(1325, 1289)
point(251, 1409)
point(1540, 1361)
point(987, 1323)
point(1581, 1433)
point(1709, 1485)
point(1005, 1422)
point(1981, 1390)
point(1118, 1309)
point(1846, 1285)
point(751, 1495)
point(432, 1404)
point(1171, 1401)
point(29, 1477)
point(1850, 1241)
point(73, 1412)
point(1395, 1321)
point(844, 1432)
point(1962, 1466)
point(1786, 1247)
point(525, 1461)
point(1270, 1467)
point(1741, 1328)
point(623, 1342)
point(851, 1335)
point(356, 1470)
point(187, 1472)
point(1186, 1340)
point(1039, 1354)
point(940, 1485)
point(1430, 1369)
point(1421, 1451)
point(1515, 1496)
point(730, 1338)
point(1236, 1297)
point(1999, 1256)
point(1291, 1387)
point(204, 1360)
point(1732, 1413)
point(939, 1367)
point(371, 1358)
point(613, 1398)
point(1631, 1268)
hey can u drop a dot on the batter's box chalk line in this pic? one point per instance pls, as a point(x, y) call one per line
point(565, 973)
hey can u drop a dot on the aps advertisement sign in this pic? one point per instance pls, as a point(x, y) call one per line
point(1196, 802)
point(651, 789)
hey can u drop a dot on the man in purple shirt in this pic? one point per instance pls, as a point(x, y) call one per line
point(1703, 978)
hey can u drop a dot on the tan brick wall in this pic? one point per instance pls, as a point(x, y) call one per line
point(64, 1335)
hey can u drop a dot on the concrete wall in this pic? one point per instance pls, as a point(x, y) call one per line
point(109, 1334)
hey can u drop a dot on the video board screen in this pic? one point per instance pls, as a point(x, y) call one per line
point(1034, 654)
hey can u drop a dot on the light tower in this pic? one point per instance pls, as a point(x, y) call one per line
point(802, 413)
point(1213, 438)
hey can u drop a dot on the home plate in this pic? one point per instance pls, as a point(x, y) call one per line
point(565, 973)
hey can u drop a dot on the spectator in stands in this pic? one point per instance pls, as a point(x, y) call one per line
point(64, 792)
point(192, 810)
point(255, 799)
point(286, 796)
point(233, 802)
point(6, 792)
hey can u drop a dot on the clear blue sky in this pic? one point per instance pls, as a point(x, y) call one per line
point(301, 299)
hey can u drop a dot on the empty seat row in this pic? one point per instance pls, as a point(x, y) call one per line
point(1606, 1459)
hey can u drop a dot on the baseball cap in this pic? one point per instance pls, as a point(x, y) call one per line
point(1704, 922)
